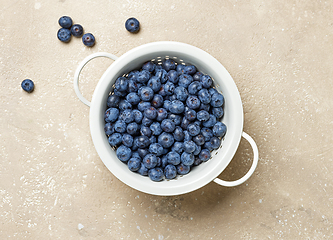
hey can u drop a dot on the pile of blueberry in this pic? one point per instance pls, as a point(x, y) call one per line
point(68, 29)
point(164, 119)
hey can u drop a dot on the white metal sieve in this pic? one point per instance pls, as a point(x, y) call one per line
point(233, 117)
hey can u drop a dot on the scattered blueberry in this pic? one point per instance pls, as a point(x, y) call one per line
point(28, 85)
point(64, 35)
point(88, 39)
point(65, 22)
point(132, 25)
point(77, 30)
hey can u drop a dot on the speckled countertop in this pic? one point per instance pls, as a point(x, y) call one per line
point(53, 185)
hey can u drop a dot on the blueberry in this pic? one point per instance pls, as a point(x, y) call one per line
point(193, 102)
point(197, 150)
point(146, 94)
point(166, 104)
point(185, 123)
point(218, 112)
point(162, 91)
point(127, 116)
point(190, 115)
point(143, 152)
point(119, 93)
point(156, 174)
point(178, 134)
point(216, 142)
point(170, 171)
point(150, 161)
point(204, 155)
point(197, 161)
point(197, 76)
point(177, 119)
point(133, 86)
point(124, 153)
point(210, 122)
point(132, 128)
point(204, 96)
point(219, 129)
point(132, 75)
point(134, 164)
point(132, 25)
point(209, 146)
point(113, 101)
point(137, 115)
point(108, 129)
point(185, 80)
point(28, 85)
point(127, 140)
point(152, 140)
point(88, 39)
point(161, 74)
point(178, 147)
point(156, 129)
point(181, 93)
point(141, 141)
point(169, 88)
point(146, 121)
point(180, 69)
point(168, 125)
point(124, 104)
point(169, 64)
point(121, 84)
point(193, 129)
point(161, 114)
point(111, 115)
point(173, 158)
point(150, 112)
point(212, 91)
point(189, 146)
point(145, 131)
point(190, 69)
point(217, 100)
point(64, 35)
point(183, 169)
point(166, 140)
point(206, 81)
point(115, 139)
point(65, 22)
point(199, 139)
point(187, 158)
point(143, 105)
point(205, 107)
point(154, 83)
point(164, 161)
point(143, 76)
point(203, 115)
point(187, 136)
point(194, 87)
point(207, 133)
point(149, 66)
point(120, 126)
point(177, 107)
point(77, 30)
point(133, 98)
point(156, 149)
point(143, 170)
point(172, 76)
point(136, 155)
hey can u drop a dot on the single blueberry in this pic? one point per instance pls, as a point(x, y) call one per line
point(113, 101)
point(127, 140)
point(134, 164)
point(146, 94)
point(190, 114)
point(145, 131)
point(181, 93)
point(149, 66)
point(173, 158)
point(209, 146)
point(121, 84)
point(177, 107)
point(210, 122)
point(216, 142)
point(169, 64)
point(150, 161)
point(206, 81)
point(204, 155)
point(150, 112)
point(193, 129)
point(143, 76)
point(190, 69)
point(161, 74)
point(132, 128)
point(124, 153)
point(65, 22)
point(183, 169)
point(217, 100)
point(124, 104)
point(162, 113)
point(194, 87)
point(137, 116)
point(178, 134)
point(64, 35)
point(219, 129)
point(141, 141)
point(169, 88)
point(154, 83)
point(207, 133)
point(180, 69)
point(197, 150)
point(146, 121)
point(108, 129)
point(111, 115)
point(197, 76)
point(88, 39)
point(189, 146)
point(120, 126)
point(168, 125)
point(218, 112)
point(28, 85)
point(170, 171)
point(119, 93)
point(204, 96)
point(162, 91)
point(199, 139)
point(115, 139)
point(205, 107)
point(156, 174)
point(166, 140)
point(166, 104)
point(177, 119)
point(133, 98)
point(202, 115)
point(193, 102)
point(132, 25)
point(197, 161)
point(172, 76)
point(152, 140)
point(156, 149)
point(143, 152)
point(143, 170)
point(156, 129)
point(77, 30)
point(127, 116)
point(212, 91)
point(133, 86)
point(143, 105)
point(178, 147)
point(187, 158)
point(185, 123)
point(185, 80)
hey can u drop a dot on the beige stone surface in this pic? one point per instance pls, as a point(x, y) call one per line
point(53, 185)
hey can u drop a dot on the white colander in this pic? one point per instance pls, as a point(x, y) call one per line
point(233, 117)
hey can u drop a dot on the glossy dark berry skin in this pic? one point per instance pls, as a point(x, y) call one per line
point(28, 85)
point(88, 40)
point(65, 22)
point(64, 35)
point(132, 25)
point(77, 30)
point(124, 153)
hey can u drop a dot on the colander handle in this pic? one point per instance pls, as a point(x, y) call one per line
point(250, 172)
point(79, 69)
